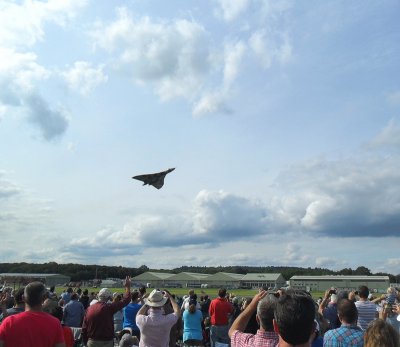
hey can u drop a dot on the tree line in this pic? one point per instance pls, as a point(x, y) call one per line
point(80, 272)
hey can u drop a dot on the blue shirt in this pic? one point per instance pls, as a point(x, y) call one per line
point(73, 314)
point(130, 313)
point(192, 325)
point(345, 336)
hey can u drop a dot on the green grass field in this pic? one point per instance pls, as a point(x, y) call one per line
point(212, 292)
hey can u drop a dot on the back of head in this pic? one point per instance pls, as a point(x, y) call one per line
point(19, 296)
point(347, 311)
point(222, 293)
point(294, 316)
point(135, 296)
point(34, 294)
point(265, 312)
point(380, 333)
point(74, 296)
point(192, 303)
point(363, 292)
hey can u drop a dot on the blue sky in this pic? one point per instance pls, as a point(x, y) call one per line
point(281, 118)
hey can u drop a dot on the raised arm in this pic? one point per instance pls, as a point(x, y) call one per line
point(242, 320)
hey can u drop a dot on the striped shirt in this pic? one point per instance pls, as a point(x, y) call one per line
point(260, 339)
point(366, 313)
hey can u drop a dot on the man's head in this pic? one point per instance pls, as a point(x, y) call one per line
point(222, 293)
point(19, 296)
point(34, 294)
point(156, 299)
point(74, 296)
point(334, 299)
point(363, 292)
point(265, 312)
point(104, 295)
point(69, 290)
point(347, 311)
point(294, 318)
point(135, 296)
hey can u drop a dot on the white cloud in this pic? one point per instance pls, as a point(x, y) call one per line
point(233, 56)
point(231, 9)
point(269, 47)
point(82, 77)
point(22, 25)
point(51, 122)
point(171, 55)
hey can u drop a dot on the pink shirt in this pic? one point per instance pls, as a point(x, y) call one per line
point(261, 339)
point(155, 328)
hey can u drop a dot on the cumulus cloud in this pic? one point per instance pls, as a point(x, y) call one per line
point(22, 24)
point(176, 57)
point(19, 73)
point(172, 55)
point(230, 10)
point(215, 217)
point(82, 77)
point(51, 122)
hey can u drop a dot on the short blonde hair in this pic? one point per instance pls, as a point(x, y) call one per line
point(380, 333)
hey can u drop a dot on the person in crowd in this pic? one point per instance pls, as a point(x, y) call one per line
point(205, 305)
point(19, 305)
point(252, 325)
point(294, 320)
point(366, 309)
point(32, 327)
point(177, 328)
point(119, 315)
point(192, 319)
point(66, 296)
point(74, 312)
point(68, 334)
point(84, 299)
point(219, 311)
point(127, 340)
point(185, 304)
point(130, 313)
point(328, 309)
point(263, 304)
point(98, 324)
point(381, 334)
point(154, 325)
point(348, 334)
point(52, 293)
point(236, 309)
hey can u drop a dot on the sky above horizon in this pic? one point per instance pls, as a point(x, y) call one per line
point(280, 117)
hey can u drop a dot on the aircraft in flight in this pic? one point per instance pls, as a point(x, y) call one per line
point(155, 179)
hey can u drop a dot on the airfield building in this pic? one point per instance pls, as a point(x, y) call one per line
point(322, 283)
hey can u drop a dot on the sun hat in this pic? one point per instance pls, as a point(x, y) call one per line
point(156, 299)
point(104, 294)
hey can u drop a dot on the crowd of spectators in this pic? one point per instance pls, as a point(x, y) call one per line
point(36, 317)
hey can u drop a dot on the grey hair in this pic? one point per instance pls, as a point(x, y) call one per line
point(265, 311)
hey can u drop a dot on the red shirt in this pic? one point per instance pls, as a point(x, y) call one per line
point(219, 310)
point(31, 329)
point(98, 323)
point(68, 336)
